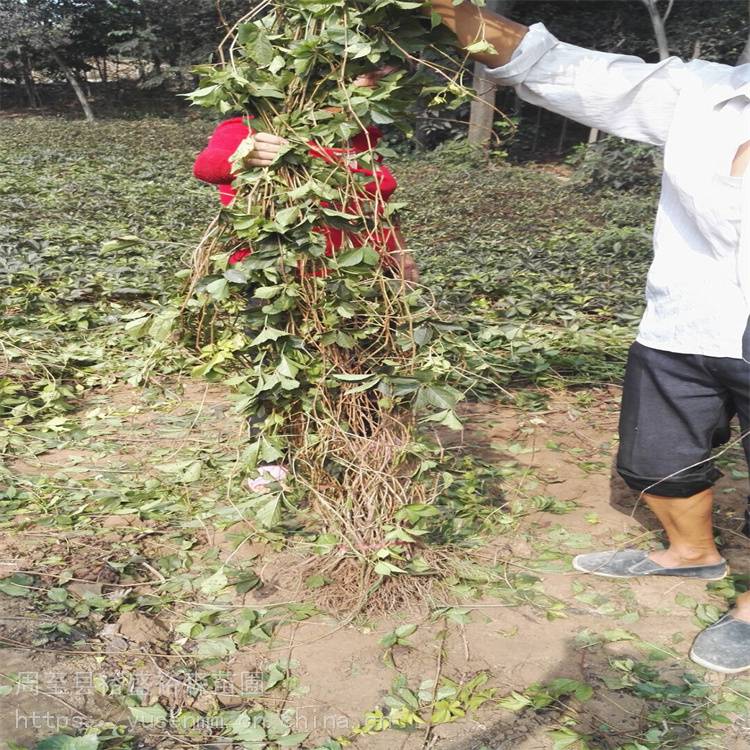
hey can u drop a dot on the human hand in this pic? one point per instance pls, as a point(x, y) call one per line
point(371, 79)
point(266, 147)
point(408, 267)
point(401, 259)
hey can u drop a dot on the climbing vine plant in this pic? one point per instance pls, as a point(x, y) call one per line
point(337, 358)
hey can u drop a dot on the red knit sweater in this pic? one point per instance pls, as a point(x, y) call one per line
point(213, 166)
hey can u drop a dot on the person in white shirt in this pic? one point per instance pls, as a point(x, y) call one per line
point(688, 372)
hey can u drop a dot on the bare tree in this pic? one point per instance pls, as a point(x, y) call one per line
point(73, 81)
point(40, 28)
point(658, 22)
point(745, 54)
point(482, 115)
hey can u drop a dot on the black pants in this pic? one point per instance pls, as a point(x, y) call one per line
point(676, 409)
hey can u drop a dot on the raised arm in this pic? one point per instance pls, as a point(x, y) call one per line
point(619, 94)
point(472, 24)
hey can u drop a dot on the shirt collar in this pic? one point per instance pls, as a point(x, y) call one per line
point(737, 85)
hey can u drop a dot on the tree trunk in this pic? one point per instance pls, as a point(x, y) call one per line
point(745, 55)
point(537, 130)
point(27, 74)
point(70, 76)
point(420, 134)
point(482, 114)
point(660, 31)
point(101, 66)
point(32, 93)
point(563, 136)
point(83, 82)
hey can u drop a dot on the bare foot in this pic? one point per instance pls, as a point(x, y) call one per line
point(741, 614)
point(741, 609)
point(668, 558)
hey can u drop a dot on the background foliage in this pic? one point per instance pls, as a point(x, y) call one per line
point(123, 49)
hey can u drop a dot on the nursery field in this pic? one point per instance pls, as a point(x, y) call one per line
point(147, 600)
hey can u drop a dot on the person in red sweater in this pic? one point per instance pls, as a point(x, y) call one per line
point(213, 166)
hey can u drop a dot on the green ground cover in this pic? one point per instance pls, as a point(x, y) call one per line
point(548, 279)
point(116, 464)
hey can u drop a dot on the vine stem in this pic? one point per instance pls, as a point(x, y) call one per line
point(438, 672)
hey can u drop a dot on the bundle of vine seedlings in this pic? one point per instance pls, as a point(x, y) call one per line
point(338, 359)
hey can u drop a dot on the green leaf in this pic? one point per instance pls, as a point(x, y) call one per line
point(121, 243)
point(316, 582)
point(216, 648)
point(244, 728)
point(324, 544)
point(235, 276)
point(138, 326)
point(218, 289)
point(267, 509)
point(162, 325)
point(64, 742)
point(352, 257)
point(204, 91)
point(16, 585)
point(514, 702)
point(292, 740)
point(446, 418)
point(184, 472)
point(256, 44)
point(404, 631)
point(480, 47)
point(265, 91)
point(268, 334)
point(617, 634)
point(274, 676)
point(684, 600)
point(439, 396)
point(215, 583)
point(155, 714)
point(57, 595)
point(268, 292)
point(277, 64)
point(237, 160)
point(345, 341)
point(187, 719)
point(564, 738)
point(383, 568)
point(351, 378)
point(287, 216)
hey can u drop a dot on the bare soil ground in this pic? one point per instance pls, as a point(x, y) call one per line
point(565, 452)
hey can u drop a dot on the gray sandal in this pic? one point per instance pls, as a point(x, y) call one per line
point(723, 646)
point(629, 563)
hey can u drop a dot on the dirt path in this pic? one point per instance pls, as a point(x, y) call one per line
point(556, 624)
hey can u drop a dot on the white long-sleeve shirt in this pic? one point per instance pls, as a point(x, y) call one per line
point(698, 287)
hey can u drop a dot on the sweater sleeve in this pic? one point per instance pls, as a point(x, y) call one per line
point(367, 138)
point(212, 164)
point(383, 182)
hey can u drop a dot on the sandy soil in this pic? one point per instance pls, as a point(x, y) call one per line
point(567, 450)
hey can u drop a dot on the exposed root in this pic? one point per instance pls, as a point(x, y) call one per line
point(354, 588)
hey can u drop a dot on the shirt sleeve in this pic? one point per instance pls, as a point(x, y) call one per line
point(619, 94)
point(212, 164)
